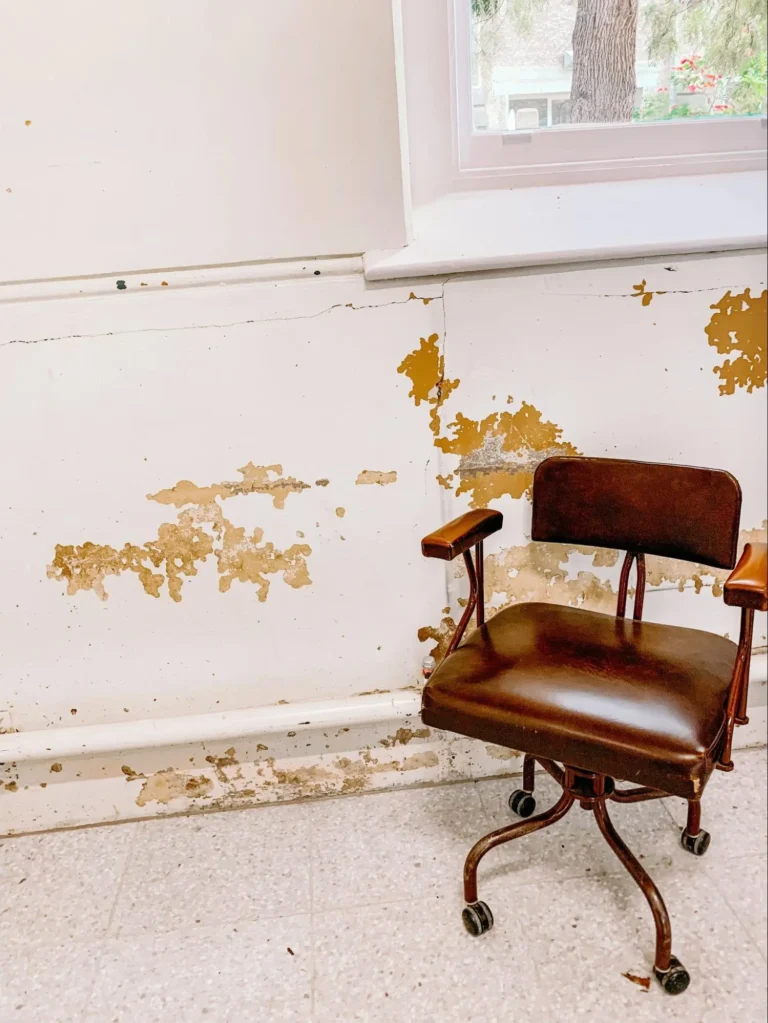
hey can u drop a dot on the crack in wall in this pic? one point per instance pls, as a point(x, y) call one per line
point(226, 326)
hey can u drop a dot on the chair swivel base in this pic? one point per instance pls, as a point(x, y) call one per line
point(591, 791)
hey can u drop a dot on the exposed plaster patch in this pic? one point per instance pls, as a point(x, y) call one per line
point(440, 635)
point(740, 326)
point(168, 784)
point(499, 454)
point(176, 552)
point(246, 559)
point(257, 479)
point(539, 572)
point(666, 570)
point(368, 477)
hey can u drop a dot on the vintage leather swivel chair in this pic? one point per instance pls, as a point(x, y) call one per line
point(609, 698)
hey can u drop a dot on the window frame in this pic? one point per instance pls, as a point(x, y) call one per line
point(564, 154)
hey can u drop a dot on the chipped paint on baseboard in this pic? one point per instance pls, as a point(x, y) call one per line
point(502, 753)
point(168, 785)
point(209, 777)
point(739, 327)
point(404, 735)
point(102, 790)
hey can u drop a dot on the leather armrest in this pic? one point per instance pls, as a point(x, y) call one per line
point(747, 585)
point(462, 533)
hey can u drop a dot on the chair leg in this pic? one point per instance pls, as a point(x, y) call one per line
point(521, 801)
point(672, 976)
point(529, 768)
point(511, 831)
point(694, 838)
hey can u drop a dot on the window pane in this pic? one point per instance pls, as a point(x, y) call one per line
point(543, 63)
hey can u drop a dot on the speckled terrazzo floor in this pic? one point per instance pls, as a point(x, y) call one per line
point(349, 909)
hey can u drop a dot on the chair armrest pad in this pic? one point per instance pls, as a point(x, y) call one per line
point(462, 533)
point(747, 585)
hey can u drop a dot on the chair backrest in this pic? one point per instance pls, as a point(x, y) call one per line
point(675, 511)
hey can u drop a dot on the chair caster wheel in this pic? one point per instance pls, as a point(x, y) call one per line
point(522, 803)
point(477, 918)
point(696, 844)
point(674, 980)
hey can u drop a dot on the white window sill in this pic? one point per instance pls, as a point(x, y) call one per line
point(494, 230)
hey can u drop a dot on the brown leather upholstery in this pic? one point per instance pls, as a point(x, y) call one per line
point(460, 534)
point(610, 699)
point(632, 700)
point(747, 585)
point(675, 511)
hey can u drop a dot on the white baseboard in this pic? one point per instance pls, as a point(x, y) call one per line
point(393, 750)
point(41, 795)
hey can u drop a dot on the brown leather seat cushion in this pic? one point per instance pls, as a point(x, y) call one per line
point(636, 701)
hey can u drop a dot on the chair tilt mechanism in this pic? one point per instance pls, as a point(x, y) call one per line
point(592, 698)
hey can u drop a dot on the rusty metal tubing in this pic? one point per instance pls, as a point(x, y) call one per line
point(693, 823)
point(637, 613)
point(551, 768)
point(621, 602)
point(637, 795)
point(741, 710)
point(742, 717)
point(529, 767)
point(642, 879)
point(739, 682)
point(464, 620)
point(507, 834)
point(480, 583)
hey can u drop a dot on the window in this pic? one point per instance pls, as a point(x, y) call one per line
point(558, 90)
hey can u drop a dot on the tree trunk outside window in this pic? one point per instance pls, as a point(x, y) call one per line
point(604, 42)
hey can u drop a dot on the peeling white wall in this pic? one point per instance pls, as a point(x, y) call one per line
point(110, 395)
point(145, 387)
